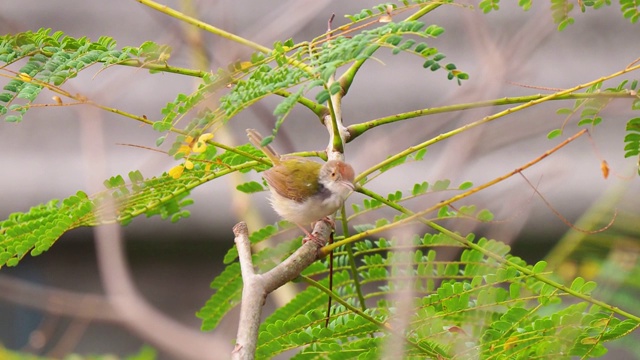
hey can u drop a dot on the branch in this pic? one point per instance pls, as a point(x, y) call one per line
point(490, 118)
point(347, 78)
point(356, 130)
point(219, 32)
point(204, 26)
point(134, 311)
point(256, 287)
point(418, 216)
point(57, 301)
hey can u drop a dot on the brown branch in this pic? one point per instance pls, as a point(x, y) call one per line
point(256, 287)
point(56, 301)
point(134, 311)
point(564, 219)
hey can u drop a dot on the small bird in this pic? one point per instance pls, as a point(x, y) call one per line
point(304, 191)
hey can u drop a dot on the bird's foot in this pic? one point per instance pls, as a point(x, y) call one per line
point(316, 239)
point(327, 220)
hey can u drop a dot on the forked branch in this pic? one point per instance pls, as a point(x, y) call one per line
point(256, 287)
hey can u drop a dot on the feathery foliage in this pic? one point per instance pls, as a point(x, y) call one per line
point(485, 303)
point(561, 9)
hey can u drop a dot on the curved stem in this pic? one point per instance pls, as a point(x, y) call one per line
point(204, 26)
point(352, 261)
point(163, 68)
point(318, 109)
point(497, 257)
point(347, 78)
point(418, 215)
point(356, 130)
point(341, 301)
point(490, 118)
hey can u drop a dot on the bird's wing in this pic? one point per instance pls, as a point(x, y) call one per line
point(294, 178)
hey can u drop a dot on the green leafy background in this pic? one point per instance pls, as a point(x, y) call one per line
point(485, 303)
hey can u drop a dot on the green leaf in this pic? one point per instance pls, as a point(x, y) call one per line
point(624, 328)
point(554, 134)
point(485, 215)
point(588, 287)
point(335, 88)
point(465, 185)
point(250, 187)
point(539, 267)
point(229, 291)
point(160, 140)
point(441, 185)
point(564, 23)
point(13, 118)
point(419, 155)
point(323, 96)
point(419, 189)
point(577, 284)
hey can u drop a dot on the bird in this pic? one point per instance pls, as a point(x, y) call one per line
point(302, 190)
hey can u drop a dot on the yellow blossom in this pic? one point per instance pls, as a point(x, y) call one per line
point(25, 77)
point(201, 144)
point(176, 171)
point(205, 137)
point(184, 149)
point(188, 165)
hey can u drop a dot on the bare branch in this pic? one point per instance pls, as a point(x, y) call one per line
point(56, 301)
point(133, 310)
point(256, 287)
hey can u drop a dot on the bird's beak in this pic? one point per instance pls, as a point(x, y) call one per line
point(348, 184)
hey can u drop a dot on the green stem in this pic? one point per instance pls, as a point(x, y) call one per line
point(356, 130)
point(185, 188)
point(352, 261)
point(338, 299)
point(318, 109)
point(415, 216)
point(332, 102)
point(496, 257)
point(490, 118)
point(163, 68)
point(347, 78)
point(204, 26)
point(217, 31)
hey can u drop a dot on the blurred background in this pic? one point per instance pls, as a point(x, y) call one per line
point(56, 151)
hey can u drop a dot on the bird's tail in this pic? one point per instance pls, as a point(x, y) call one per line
point(256, 139)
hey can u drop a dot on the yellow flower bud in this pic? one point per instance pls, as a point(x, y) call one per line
point(176, 171)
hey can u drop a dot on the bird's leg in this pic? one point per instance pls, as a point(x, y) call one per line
point(329, 221)
point(314, 238)
point(309, 235)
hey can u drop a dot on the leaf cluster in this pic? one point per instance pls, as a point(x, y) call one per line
point(473, 307)
point(561, 9)
point(51, 60)
point(484, 303)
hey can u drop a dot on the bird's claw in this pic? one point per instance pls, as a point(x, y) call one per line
point(316, 239)
point(327, 220)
